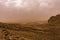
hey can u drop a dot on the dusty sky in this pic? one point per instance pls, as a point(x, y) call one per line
point(28, 10)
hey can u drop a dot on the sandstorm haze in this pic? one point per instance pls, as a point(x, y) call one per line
point(28, 10)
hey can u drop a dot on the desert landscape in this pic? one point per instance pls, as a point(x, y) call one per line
point(29, 19)
point(31, 31)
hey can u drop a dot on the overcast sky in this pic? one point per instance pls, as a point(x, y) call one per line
point(28, 10)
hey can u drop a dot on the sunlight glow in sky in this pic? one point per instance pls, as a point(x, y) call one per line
point(20, 3)
point(15, 3)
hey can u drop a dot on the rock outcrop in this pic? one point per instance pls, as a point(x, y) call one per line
point(54, 19)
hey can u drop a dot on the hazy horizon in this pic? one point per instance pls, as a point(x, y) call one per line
point(28, 10)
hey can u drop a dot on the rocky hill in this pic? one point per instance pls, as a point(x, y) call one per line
point(54, 19)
